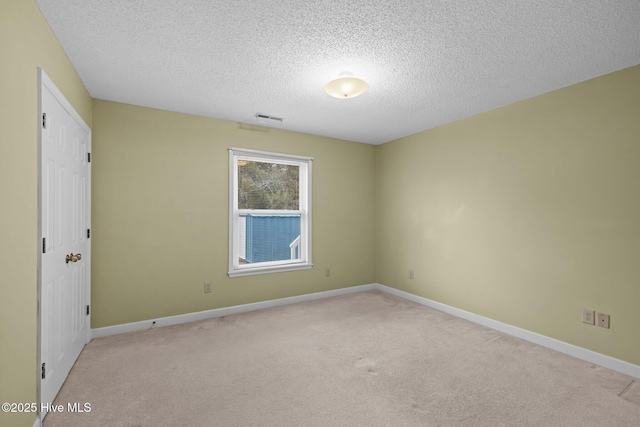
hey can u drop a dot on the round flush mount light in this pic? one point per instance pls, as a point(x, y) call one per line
point(346, 86)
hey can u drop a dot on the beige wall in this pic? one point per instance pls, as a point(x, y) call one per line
point(524, 214)
point(26, 43)
point(160, 218)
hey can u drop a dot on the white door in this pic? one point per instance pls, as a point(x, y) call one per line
point(65, 217)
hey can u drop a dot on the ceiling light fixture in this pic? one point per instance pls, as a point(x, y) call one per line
point(346, 86)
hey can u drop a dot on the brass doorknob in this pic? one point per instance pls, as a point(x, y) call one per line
point(73, 258)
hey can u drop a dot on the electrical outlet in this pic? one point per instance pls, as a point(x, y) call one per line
point(411, 275)
point(603, 320)
point(327, 272)
point(588, 316)
point(207, 287)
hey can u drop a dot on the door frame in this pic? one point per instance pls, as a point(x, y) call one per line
point(45, 81)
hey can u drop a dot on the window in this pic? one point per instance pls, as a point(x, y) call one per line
point(269, 212)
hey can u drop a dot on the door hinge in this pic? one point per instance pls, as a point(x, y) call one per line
point(88, 310)
point(89, 157)
point(44, 245)
point(44, 371)
point(88, 233)
point(44, 120)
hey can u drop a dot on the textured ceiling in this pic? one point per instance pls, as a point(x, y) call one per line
point(427, 62)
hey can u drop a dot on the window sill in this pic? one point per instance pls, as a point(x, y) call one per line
point(271, 269)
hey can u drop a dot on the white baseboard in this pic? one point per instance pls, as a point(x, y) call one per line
point(219, 312)
point(563, 347)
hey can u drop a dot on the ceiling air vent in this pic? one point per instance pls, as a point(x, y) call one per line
point(265, 118)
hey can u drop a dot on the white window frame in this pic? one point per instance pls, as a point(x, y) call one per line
point(304, 261)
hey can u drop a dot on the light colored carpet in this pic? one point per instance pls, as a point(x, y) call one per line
point(364, 359)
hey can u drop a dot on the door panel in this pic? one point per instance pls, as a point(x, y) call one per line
point(65, 218)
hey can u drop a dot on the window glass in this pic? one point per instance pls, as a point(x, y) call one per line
point(263, 185)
